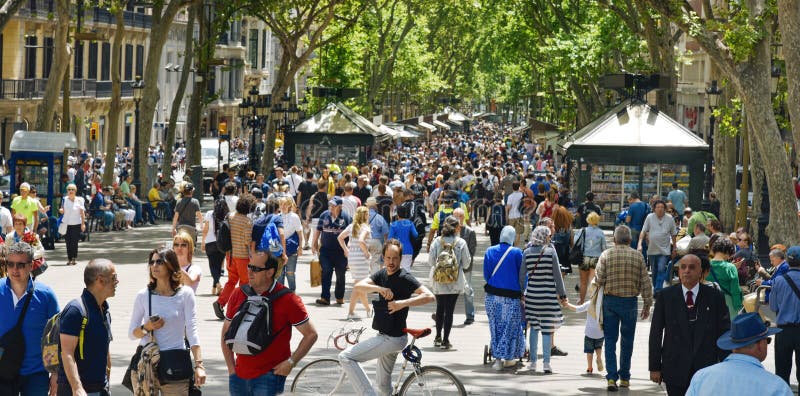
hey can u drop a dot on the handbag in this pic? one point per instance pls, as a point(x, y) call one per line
point(316, 272)
point(12, 346)
point(62, 226)
point(576, 254)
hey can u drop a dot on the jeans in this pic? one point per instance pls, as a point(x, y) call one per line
point(659, 270)
point(106, 215)
point(215, 261)
point(547, 345)
point(331, 262)
point(787, 343)
point(288, 272)
point(34, 384)
point(151, 214)
point(381, 347)
point(445, 306)
point(137, 207)
point(469, 296)
point(266, 385)
point(619, 319)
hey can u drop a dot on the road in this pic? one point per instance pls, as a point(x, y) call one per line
point(129, 251)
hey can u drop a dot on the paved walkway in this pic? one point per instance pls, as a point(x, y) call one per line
point(129, 250)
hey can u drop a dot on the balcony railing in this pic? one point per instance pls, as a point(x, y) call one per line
point(34, 89)
point(43, 8)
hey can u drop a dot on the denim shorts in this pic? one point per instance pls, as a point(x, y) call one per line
point(590, 344)
point(589, 263)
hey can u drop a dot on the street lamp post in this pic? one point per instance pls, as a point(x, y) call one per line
point(286, 114)
point(138, 88)
point(253, 102)
point(712, 94)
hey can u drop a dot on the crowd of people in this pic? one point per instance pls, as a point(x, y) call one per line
point(374, 220)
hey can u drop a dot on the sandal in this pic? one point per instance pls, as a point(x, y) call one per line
point(589, 370)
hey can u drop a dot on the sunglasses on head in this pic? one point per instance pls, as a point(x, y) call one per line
point(256, 269)
point(16, 264)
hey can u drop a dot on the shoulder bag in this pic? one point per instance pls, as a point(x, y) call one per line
point(175, 365)
point(499, 263)
point(792, 285)
point(12, 346)
point(576, 254)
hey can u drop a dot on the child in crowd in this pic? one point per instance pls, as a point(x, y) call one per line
point(593, 332)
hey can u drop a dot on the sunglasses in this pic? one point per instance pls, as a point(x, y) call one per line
point(157, 262)
point(256, 269)
point(180, 244)
point(16, 264)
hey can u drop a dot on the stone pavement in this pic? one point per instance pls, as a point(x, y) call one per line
point(129, 251)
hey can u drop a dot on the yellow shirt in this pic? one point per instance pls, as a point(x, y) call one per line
point(334, 168)
point(153, 196)
point(331, 187)
point(27, 207)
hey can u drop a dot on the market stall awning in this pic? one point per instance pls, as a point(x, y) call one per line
point(42, 142)
point(398, 132)
point(635, 125)
point(427, 126)
point(336, 118)
point(441, 124)
point(455, 116)
point(483, 115)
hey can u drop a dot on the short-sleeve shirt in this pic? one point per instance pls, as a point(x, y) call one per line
point(43, 305)
point(241, 234)
point(677, 197)
point(97, 337)
point(330, 229)
point(26, 207)
point(637, 211)
point(187, 210)
point(402, 284)
point(660, 233)
point(514, 200)
point(306, 190)
point(286, 311)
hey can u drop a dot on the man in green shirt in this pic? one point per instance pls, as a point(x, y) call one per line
point(26, 205)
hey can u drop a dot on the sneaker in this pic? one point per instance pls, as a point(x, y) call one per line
point(469, 321)
point(498, 365)
point(446, 345)
point(339, 301)
point(218, 310)
point(353, 316)
point(510, 363)
point(624, 384)
point(556, 351)
point(612, 386)
point(547, 369)
point(322, 301)
point(600, 366)
point(532, 366)
point(437, 342)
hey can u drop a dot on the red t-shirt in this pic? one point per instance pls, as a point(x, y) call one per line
point(286, 311)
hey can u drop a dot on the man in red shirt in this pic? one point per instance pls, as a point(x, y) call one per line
point(266, 372)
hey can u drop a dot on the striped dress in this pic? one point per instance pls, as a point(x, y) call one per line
point(542, 309)
point(359, 268)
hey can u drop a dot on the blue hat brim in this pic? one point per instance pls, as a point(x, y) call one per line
point(724, 341)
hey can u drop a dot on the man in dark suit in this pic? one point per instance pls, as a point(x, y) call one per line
point(687, 320)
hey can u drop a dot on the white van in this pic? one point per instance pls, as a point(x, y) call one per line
point(210, 158)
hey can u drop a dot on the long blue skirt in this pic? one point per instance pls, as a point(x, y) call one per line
point(506, 324)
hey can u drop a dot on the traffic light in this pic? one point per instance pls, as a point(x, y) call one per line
point(93, 134)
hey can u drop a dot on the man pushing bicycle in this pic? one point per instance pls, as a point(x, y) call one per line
point(397, 290)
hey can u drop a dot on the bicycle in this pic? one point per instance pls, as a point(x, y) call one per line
point(325, 376)
point(351, 336)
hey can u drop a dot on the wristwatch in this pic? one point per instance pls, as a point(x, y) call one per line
point(292, 362)
point(144, 331)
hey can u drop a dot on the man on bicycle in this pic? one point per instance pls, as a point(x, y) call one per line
point(395, 287)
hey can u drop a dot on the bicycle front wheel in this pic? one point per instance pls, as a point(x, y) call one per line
point(432, 381)
point(320, 377)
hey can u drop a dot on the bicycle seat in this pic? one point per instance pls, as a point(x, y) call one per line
point(418, 333)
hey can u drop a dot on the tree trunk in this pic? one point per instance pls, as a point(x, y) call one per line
point(742, 210)
point(44, 114)
point(199, 90)
point(188, 56)
point(757, 177)
point(789, 22)
point(286, 72)
point(115, 107)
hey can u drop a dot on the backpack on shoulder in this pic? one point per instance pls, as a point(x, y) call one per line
point(271, 239)
point(528, 200)
point(250, 332)
point(496, 217)
point(224, 243)
point(51, 337)
point(446, 268)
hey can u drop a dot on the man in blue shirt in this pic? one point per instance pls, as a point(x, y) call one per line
point(85, 367)
point(742, 372)
point(15, 290)
point(678, 198)
point(637, 211)
point(778, 260)
point(331, 257)
point(785, 301)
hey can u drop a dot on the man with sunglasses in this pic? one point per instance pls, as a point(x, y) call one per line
point(686, 343)
point(85, 367)
point(266, 372)
point(742, 372)
point(15, 291)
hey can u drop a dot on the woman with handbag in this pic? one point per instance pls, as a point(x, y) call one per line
point(73, 222)
point(505, 281)
point(592, 242)
point(543, 295)
point(164, 313)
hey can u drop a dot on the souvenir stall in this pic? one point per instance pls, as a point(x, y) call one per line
point(39, 158)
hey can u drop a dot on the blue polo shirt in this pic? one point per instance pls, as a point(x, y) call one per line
point(330, 229)
point(97, 337)
point(43, 306)
point(783, 300)
point(637, 211)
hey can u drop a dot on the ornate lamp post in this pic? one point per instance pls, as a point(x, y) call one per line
point(253, 123)
point(712, 95)
point(138, 89)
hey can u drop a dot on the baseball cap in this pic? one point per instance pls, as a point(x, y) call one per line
point(793, 254)
point(25, 186)
point(335, 201)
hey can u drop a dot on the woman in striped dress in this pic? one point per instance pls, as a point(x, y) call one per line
point(543, 295)
point(358, 256)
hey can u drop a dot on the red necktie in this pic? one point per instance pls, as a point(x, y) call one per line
point(689, 300)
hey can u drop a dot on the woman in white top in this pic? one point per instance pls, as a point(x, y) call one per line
point(293, 231)
point(183, 245)
point(215, 256)
point(74, 210)
point(165, 310)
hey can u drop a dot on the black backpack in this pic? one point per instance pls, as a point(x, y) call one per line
point(250, 332)
point(220, 213)
point(496, 217)
point(385, 207)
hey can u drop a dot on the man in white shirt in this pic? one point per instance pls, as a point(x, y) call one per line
point(6, 220)
point(349, 201)
point(513, 214)
point(294, 180)
point(661, 231)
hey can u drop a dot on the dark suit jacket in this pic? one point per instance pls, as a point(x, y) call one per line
point(676, 350)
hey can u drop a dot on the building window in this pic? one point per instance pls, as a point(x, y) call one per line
point(105, 63)
point(91, 73)
point(30, 56)
point(253, 48)
point(47, 62)
point(264, 49)
point(1, 54)
point(128, 62)
point(78, 74)
point(139, 60)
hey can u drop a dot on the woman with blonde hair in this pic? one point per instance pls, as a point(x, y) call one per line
point(293, 231)
point(594, 243)
point(183, 245)
point(358, 256)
